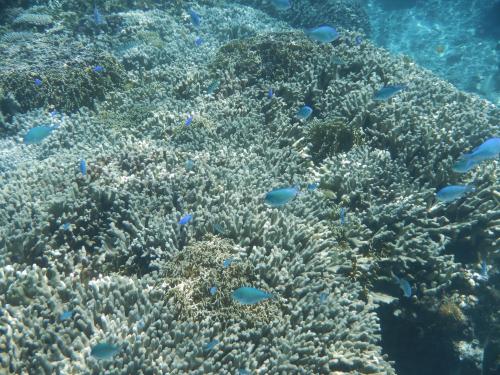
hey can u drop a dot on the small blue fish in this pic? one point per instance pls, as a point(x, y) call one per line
point(83, 167)
point(66, 226)
point(189, 120)
point(198, 41)
point(98, 69)
point(65, 315)
point(217, 229)
point(38, 81)
point(463, 165)
point(209, 346)
point(280, 197)
point(281, 4)
point(490, 149)
point(53, 113)
point(227, 262)
point(213, 87)
point(335, 60)
point(213, 290)
point(104, 350)
point(195, 18)
point(304, 113)
point(270, 93)
point(313, 186)
point(250, 296)
point(358, 40)
point(387, 92)
point(342, 216)
point(98, 17)
point(189, 165)
point(322, 297)
point(323, 34)
point(404, 285)
point(185, 219)
point(484, 270)
point(38, 134)
point(453, 192)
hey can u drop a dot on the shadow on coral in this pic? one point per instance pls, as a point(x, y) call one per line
point(418, 346)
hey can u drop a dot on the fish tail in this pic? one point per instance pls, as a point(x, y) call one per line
point(464, 163)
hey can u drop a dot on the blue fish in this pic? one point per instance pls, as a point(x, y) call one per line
point(213, 87)
point(270, 93)
point(304, 113)
point(250, 296)
point(209, 346)
point(453, 192)
point(65, 315)
point(83, 167)
point(217, 229)
point(342, 216)
point(98, 17)
point(404, 285)
point(98, 69)
point(490, 149)
point(38, 134)
point(66, 226)
point(227, 262)
point(104, 350)
point(313, 186)
point(38, 81)
point(463, 165)
point(322, 297)
point(213, 290)
point(323, 34)
point(358, 40)
point(185, 219)
point(280, 197)
point(189, 165)
point(281, 4)
point(53, 113)
point(484, 270)
point(189, 120)
point(387, 92)
point(195, 18)
point(198, 41)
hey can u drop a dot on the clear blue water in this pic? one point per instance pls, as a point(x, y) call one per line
point(457, 40)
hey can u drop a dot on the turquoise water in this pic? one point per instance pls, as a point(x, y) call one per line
point(457, 40)
point(251, 187)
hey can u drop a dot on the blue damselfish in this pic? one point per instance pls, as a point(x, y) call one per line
point(453, 192)
point(323, 34)
point(38, 134)
point(490, 149)
point(280, 197)
point(249, 295)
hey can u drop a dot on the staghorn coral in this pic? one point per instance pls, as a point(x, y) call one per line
point(67, 79)
point(115, 264)
point(190, 273)
point(308, 14)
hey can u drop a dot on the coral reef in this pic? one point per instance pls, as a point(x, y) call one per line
point(59, 78)
point(308, 14)
point(108, 246)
